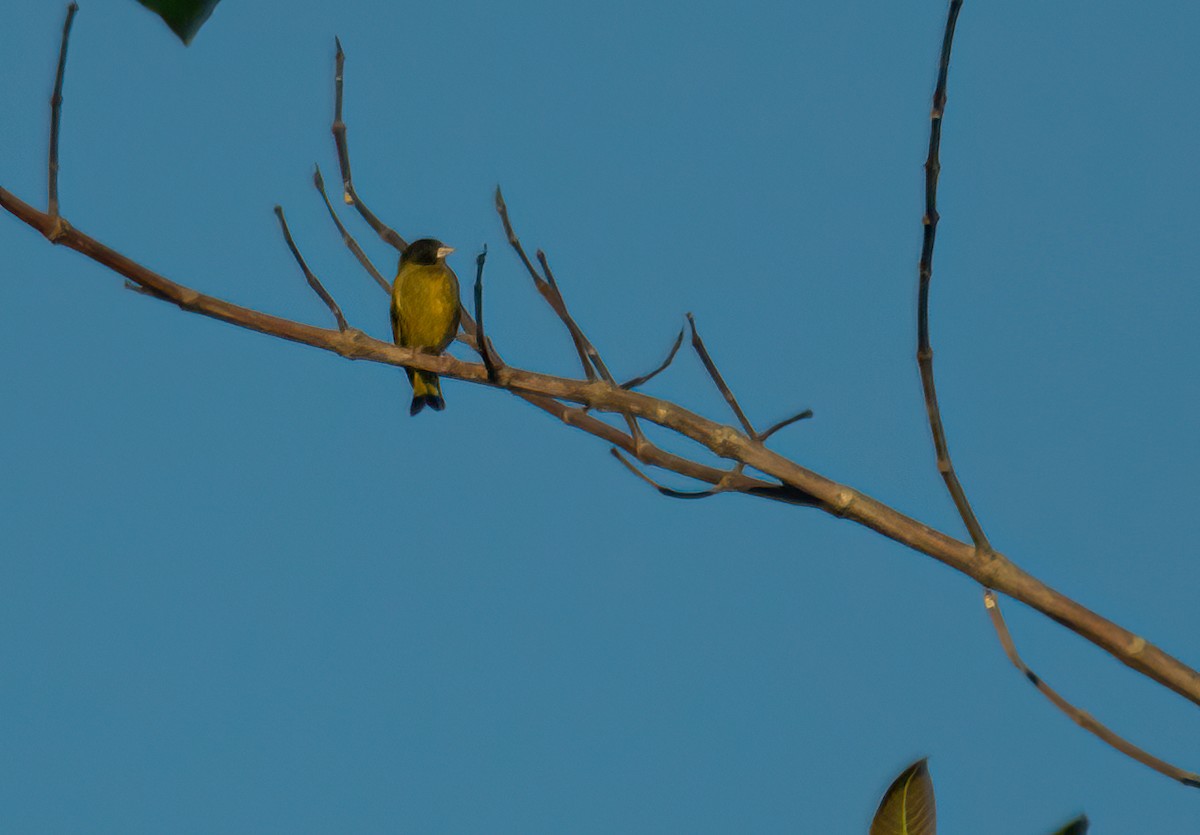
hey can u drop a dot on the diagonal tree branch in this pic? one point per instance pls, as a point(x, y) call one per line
point(992, 570)
point(795, 484)
point(347, 238)
point(313, 281)
point(718, 380)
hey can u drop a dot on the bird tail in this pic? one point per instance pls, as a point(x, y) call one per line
point(427, 391)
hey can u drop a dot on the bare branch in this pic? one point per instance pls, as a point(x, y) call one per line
point(796, 484)
point(347, 238)
point(56, 100)
point(711, 367)
point(992, 570)
point(1080, 717)
point(313, 281)
point(645, 378)
point(338, 129)
point(933, 168)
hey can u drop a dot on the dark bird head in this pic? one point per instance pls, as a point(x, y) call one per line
point(426, 252)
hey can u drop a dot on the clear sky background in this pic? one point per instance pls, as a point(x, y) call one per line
point(242, 591)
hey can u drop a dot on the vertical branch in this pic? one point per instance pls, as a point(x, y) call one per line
point(338, 129)
point(481, 340)
point(56, 100)
point(933, 168)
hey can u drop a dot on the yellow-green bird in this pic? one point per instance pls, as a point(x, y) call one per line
point(425, 312)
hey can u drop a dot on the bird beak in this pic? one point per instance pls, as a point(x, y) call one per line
point(443, 251)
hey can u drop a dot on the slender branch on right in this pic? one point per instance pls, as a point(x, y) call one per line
point(944, 464)
point(1080, 717)
point(338, 129)
point(933, 168)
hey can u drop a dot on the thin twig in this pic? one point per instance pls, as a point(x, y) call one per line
point(338, 129)
point(629, 385)
point(347, 238)
point(766, 433)
point(485, 346)
point(1080, 717)
point(552, 298)
point(711, 367)
point(933, 168)
point(56, 100)
point(313, 281)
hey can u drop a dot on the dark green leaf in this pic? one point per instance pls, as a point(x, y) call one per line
point(907, 807)
point(185, 17)
point(1079, 826)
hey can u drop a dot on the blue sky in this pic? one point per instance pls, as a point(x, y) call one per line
point(242, 591)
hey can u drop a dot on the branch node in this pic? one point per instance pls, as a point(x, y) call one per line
point(58, 230)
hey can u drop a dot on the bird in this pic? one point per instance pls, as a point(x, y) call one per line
point(425, 313)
